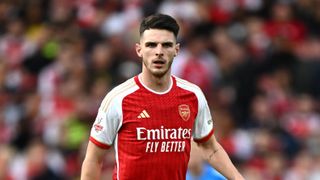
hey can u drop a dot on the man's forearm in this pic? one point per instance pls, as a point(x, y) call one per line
point(219, 159)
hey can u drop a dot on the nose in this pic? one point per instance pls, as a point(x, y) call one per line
point(159, 50)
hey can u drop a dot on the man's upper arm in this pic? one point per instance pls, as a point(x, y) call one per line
point(93, 161)
point(209, 147)
point(203, 125)
point(95, 153)
point(107, 123)
point(210, 144)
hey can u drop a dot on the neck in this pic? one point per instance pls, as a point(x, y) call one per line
point(158, 84)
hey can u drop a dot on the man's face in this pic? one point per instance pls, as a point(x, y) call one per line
point(157, 48)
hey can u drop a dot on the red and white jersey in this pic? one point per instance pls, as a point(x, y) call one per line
point(151, 131)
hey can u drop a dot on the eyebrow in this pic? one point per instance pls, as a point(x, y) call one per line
point(163, 43)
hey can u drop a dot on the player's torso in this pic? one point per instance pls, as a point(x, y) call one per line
point(154, 138)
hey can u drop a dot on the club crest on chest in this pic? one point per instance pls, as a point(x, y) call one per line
point(184, 111)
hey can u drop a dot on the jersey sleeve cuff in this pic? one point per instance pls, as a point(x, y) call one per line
point(99, 144)
point(206, 138)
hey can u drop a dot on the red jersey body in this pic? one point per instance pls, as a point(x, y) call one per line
point(150, 131)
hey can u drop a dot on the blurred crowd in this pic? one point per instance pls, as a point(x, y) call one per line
point(257, 61)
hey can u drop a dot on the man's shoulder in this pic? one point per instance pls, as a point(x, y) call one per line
point(129, 83)
point(123, 89)
point(185, 84)
point(191, 87)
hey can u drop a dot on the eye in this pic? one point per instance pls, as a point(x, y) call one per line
point(151, 44)
point(167, 44)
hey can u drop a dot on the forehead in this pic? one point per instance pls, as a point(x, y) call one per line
point(157, 35)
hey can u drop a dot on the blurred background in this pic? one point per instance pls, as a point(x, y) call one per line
point(257, 61)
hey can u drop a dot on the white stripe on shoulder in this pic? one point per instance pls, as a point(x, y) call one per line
point(121, 90)
point(187, 85)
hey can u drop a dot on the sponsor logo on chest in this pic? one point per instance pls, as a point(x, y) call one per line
point(164, 139)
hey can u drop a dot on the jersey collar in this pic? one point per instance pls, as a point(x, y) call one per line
point(141, 85)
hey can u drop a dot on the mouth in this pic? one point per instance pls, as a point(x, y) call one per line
point(159, 62)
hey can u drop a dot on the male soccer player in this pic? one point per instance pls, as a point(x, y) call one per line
point(151, 118)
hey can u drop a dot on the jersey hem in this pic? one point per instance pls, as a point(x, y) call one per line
point(99, 144)
point(206, 138)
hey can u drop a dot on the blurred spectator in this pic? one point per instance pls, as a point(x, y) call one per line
point(306, 11)
point(14, 47)
point(6, 155)
point(302, 122)
point(236, 142)
point(186, 10)
point(257, 39)
point(302, 167)
point(195, 63)
point(102, 62)
point(283, 28)
point(35, 164)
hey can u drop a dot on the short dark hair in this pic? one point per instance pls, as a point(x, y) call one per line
point(160, 21)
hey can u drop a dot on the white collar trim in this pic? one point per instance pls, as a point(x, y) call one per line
point(157, 92)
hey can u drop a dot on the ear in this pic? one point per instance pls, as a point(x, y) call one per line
point(177, 49)
point(138, 49)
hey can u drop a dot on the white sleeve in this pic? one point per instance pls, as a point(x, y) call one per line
point(203, 127)
point(107, 124)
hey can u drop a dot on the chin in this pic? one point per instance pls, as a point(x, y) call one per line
point(159, 73)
